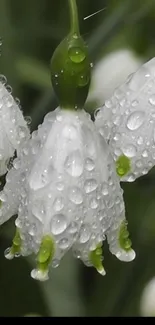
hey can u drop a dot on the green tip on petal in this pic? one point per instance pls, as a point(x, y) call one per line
point(45, 254)
point(71, 68)
point(125, 242)
point(123, 165)
point(96, 259)
point(15, 249)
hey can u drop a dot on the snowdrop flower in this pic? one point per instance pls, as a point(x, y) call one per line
point(110, 72)
point(13, 127)
point(147, 302)
point(63, 184)
point(66, 192)
point(127, 122)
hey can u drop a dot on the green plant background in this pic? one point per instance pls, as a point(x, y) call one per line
point(30, 32)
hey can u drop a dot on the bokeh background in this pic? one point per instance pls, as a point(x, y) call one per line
point(30, 31)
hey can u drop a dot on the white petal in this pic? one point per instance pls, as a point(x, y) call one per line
point(127, 121)
point(110, 72)
point(13, 127)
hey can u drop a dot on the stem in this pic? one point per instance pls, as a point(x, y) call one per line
point(74, 17)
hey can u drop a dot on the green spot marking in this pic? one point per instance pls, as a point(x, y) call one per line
point(123, 165)
point(45, 254)
point(124, 240)
point(96, 259)
point(16, 243)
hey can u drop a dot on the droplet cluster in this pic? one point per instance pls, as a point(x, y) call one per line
point(64, 184)
point(127, 121)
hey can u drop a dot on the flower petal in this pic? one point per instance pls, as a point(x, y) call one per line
point(127, 121)
point(13, 127)
point(70, 195)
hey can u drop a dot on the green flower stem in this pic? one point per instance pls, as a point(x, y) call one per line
point(74, 17)
point(70, 67)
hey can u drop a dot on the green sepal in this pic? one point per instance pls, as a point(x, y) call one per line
point(71, 72)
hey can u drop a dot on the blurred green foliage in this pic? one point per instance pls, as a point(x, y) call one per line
point(30, 32)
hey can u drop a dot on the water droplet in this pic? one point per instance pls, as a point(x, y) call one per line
point(38, 209)
point(60, 186)
point(140, 140)
point(139, 163)
point(93, 203)
point(89, 164)
point(152, 100)
point(76, 54)
point(74, 164)
point(39, 275)
point(73, 227)
point(135, 103)
point(105, 189)
point(84, 234)
point(28, 119)
point(7, 253)
point(83, 80)
point(22, 131)
point(17, 163)
point(3, 79)
point(131, 178)
point(90, 185)
point(58, 204)
point(55, 263)
point(63, 243)
point(129, 151)
point(135, 120)
point(117, 137)
point(75, 195)
point(108, 103)
point(145, 154)
point(58, 224)
point(32, 230)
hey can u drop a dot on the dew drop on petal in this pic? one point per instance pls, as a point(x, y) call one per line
point(129, 151)
point(58, 204)
point(72, 228)
point(135, 120)
point(58, 224)
point(84, 234)
point(63, 243)
point(90, 185)
point(89, 164)
point(74, 164)
point(75, 195)
point(152, 100)
point(55, 263)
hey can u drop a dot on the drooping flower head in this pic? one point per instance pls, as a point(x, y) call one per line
point(63, 184)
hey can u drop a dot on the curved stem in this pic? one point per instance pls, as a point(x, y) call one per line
point(74, 17)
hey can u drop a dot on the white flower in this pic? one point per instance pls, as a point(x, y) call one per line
point(13, 127)
point(127, 122)
point(65, 190)
point(147, 303)
point(110, 72)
